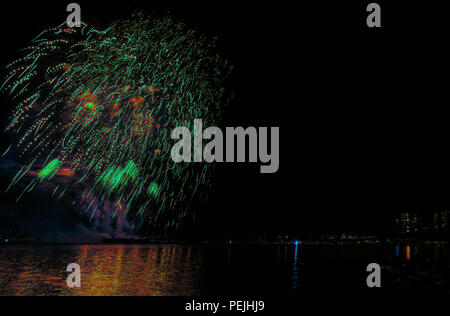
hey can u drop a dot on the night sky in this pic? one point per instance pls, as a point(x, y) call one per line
point(362, 112)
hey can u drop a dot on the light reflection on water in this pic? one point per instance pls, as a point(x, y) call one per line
point(295, 268)
point(105, 270)
point(232, 269)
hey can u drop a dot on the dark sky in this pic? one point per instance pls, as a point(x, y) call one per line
point(362, 112)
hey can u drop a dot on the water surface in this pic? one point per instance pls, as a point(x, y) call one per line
point(191, 270)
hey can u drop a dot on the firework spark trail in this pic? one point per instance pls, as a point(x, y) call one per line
point(97, 107)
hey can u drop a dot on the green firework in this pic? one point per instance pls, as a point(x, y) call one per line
point(94, 110)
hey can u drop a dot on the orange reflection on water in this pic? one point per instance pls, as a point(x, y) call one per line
point(105, 270)
point(408, 252)
point(136, 270)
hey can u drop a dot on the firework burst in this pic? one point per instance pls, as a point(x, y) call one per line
point(94, 110)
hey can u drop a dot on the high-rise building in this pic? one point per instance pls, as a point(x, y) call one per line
point(440, 221)
point(408, 224)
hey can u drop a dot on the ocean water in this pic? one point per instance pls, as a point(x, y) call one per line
point(193, 270)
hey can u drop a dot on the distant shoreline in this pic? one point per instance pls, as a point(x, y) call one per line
point(233, 242)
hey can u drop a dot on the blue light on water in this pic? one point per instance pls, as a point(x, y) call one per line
point(6, 240)
point(295, 269)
